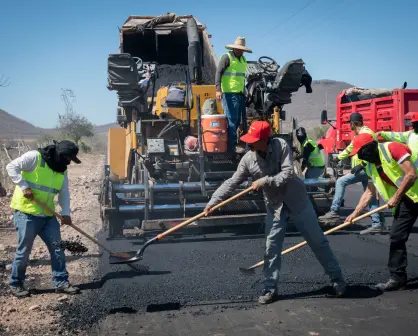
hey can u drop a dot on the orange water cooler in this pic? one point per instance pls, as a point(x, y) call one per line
point(215, 133)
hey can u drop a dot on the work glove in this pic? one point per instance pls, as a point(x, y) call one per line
point(66, 220)
point(258, 184)
point(334, 159)
point(357, 169)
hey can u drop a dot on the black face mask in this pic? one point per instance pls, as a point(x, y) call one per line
point(415, 125)
point(369, 153)
point(301, 138)
point(56, 161)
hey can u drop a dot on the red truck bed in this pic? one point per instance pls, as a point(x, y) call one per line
point(380, 114)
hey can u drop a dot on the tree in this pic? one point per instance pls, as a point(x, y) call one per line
point(72, 124)
point(75, 126)
point(4, 81)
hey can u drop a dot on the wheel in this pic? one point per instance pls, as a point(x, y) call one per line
point(271, 66)
point(139, 63)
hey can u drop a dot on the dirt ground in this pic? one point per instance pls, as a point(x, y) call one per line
point(39, 314)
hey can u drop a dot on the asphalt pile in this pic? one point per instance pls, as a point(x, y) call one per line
point(73, 245)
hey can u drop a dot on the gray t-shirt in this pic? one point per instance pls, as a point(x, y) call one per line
point(282, 184)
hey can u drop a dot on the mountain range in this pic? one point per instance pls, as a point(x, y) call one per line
point(305, 107)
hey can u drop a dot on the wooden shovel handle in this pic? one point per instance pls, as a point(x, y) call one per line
point(290, 249)
point(47, 208)
point(190, 220)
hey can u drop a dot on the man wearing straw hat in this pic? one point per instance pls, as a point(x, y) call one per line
point(230, 88)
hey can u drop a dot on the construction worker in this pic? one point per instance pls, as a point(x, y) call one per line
point(270, 164)
point(3, 191)
point(392, 169)
point(312, 156)
point(409, 138)
point(357, 175)
point(230, 88)
point(41, 174)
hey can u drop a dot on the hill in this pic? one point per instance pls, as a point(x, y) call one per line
point(305, 107)
point(14, 127)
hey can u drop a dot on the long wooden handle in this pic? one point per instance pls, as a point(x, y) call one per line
point(290, 249)
point(190, 220)
point(47, 208)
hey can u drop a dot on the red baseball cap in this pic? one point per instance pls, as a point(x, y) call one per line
point(414, 117)
point(361, 140)
point(258, 130)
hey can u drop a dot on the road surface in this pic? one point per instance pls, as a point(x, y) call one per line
point(194, 288)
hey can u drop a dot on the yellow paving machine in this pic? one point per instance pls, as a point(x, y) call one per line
point(169, 153)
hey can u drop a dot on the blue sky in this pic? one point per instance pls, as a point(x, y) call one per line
point(47, 45)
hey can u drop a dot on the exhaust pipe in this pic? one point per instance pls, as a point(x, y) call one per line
point(194, 52)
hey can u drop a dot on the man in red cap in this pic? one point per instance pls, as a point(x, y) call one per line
point(392, 169)
point(270, 165)
point(409, 138)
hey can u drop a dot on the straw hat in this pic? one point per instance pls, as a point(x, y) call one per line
point(239, 43)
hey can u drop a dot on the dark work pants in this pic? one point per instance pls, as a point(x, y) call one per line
point(404, 219)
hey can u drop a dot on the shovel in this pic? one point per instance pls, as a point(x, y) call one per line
point(250, 270)
point(130, 257)
point(85, 234)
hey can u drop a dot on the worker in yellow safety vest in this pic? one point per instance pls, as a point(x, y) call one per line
point(41, 174)
point(409, 138)
point(230, 89)
point(313, 159)
point(357, 175)
point(392, 169)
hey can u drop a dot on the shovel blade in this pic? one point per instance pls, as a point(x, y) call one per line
point(247, 271)
point(123, 257)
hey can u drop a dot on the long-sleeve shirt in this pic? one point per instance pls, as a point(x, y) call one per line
point(409, 138)
point(282, 185)
point(346, 152)
point(222, 65)
point(28, 163)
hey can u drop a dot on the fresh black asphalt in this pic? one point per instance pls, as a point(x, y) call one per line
point(201, 278)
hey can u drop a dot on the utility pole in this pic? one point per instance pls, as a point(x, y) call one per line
point(326, 101)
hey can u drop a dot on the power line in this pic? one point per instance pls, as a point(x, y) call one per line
point(315, 25)
point(290, 17)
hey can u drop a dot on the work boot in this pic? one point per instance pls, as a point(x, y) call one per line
point(331, 217)
point(391, 285)
point(374, 230)
point(67, 289)
point(19, 292)
point(339, 287)
point(268, 297)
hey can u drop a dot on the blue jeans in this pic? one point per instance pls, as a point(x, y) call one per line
point(378, 219)
point(314, 172)
point(234, 107)
point(307, 224)
point(48, 229)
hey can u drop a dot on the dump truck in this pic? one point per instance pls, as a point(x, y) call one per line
point(164, 79)
point(382, 110)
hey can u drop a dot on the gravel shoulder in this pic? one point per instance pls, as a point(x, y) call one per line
point(40, 313)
